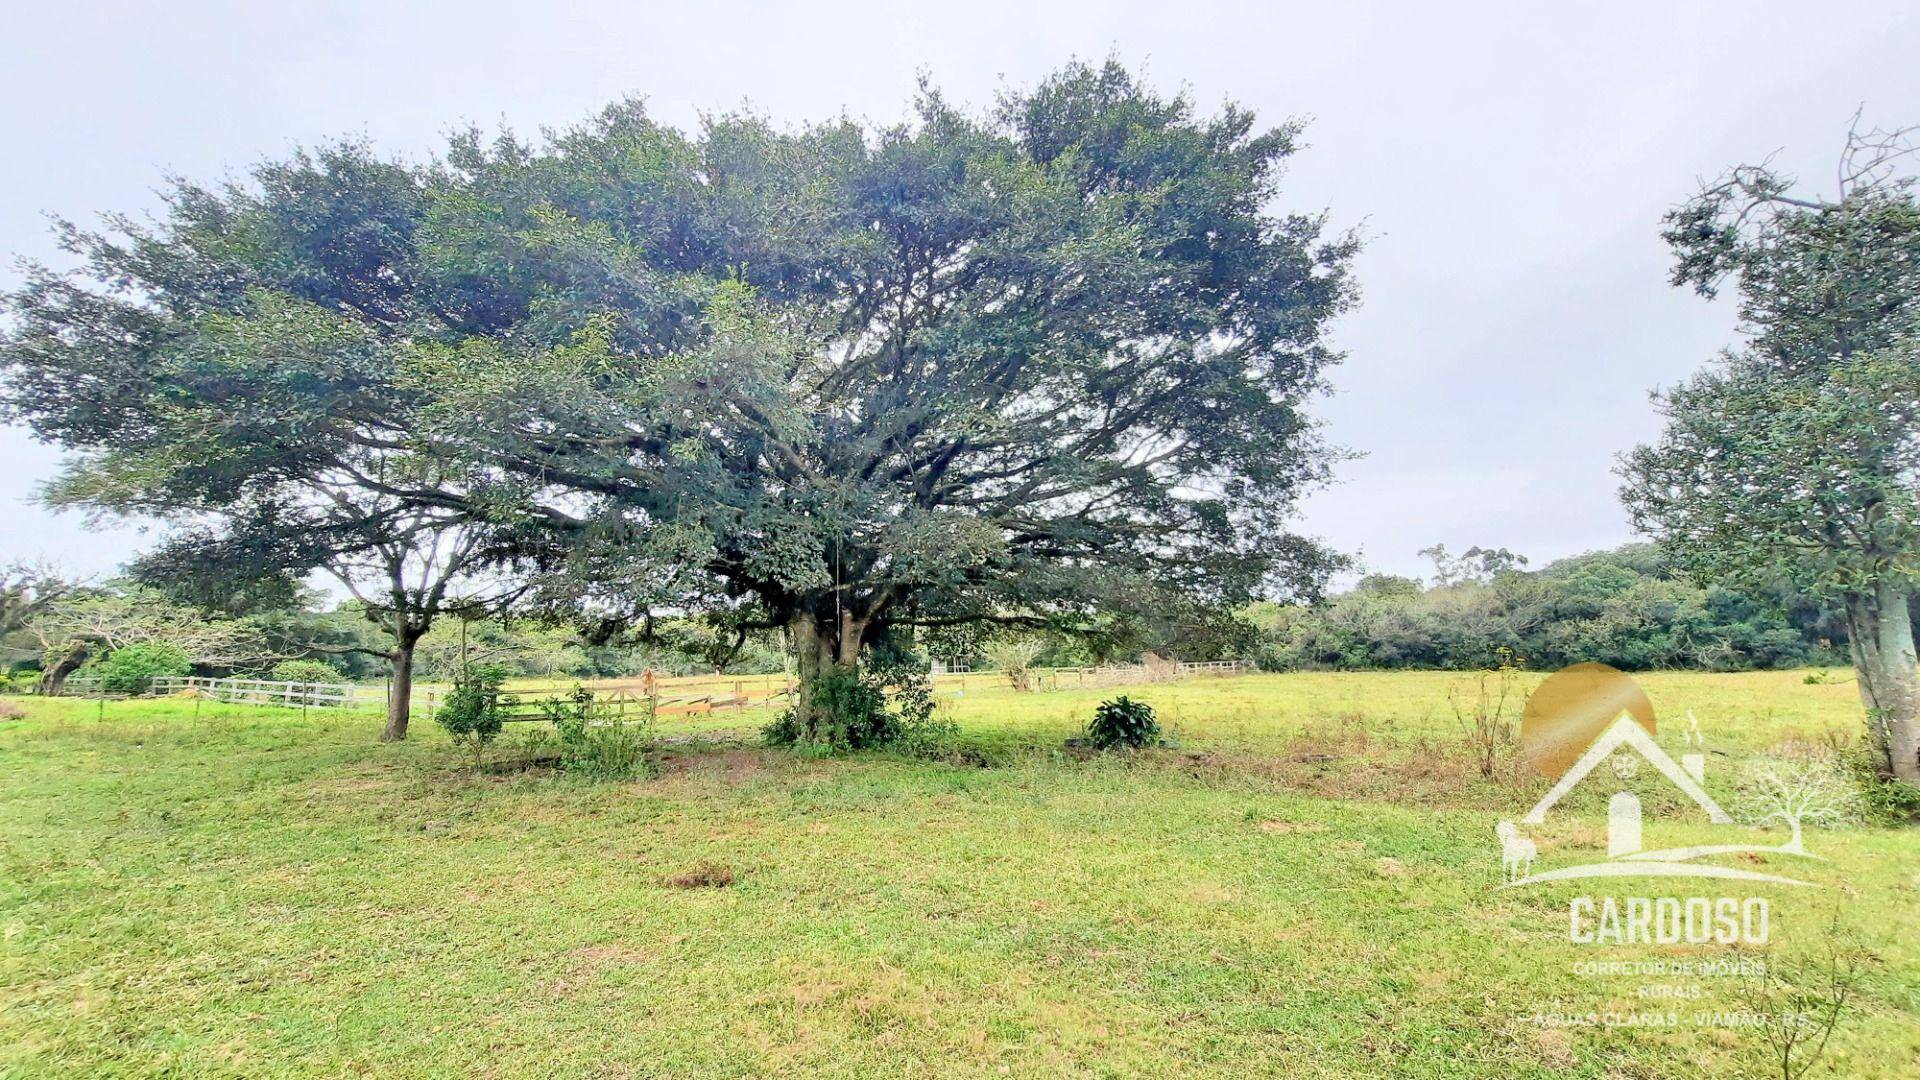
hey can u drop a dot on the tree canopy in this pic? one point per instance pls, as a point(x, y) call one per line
point(1012, 366)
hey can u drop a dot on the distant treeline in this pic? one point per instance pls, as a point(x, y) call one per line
point(1628, 607)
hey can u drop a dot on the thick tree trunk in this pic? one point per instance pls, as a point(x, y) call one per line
point(822, 647)
point(1888, 674)
point(400, 699)
point(814, 658)
point(54, 679)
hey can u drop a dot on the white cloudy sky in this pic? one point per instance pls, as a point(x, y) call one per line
point(1509, 163)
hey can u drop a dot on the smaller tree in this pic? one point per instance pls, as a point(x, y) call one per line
point(86, 623)
point(476, 708)
point(1015, 657)
point(405, 565)
point(1476, 565)
point(27, 590)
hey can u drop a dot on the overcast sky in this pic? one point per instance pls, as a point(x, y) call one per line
point(1509, 167)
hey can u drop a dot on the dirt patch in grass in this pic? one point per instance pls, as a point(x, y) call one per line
point(1359, 766)
point(586, 965)
point(702, 876)
point(1285, 827)
point(361, 778)
point(731, 765)
point(1554, 1047)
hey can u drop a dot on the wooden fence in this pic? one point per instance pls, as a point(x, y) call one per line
point(1072, 678)
point(526, 701)
point(681, 696)
point(530, 705)
point(297, 695)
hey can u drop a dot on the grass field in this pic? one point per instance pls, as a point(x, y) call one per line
point(1305, 884)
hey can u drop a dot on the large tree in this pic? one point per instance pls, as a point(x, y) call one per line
point(1795, 457)
point(1006, 367)
point(1011, 367)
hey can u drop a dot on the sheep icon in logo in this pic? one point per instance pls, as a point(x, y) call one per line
point(1516, 852)
point(1590, 714)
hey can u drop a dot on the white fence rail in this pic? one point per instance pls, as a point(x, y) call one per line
point(1219, 667)
point(426, 698)
point(293, 695)
point(296, 695)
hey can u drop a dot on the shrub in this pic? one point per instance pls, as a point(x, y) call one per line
point(131, 669)
point(475, 708)
point(305, 671)
point(1883, 800)
point(855, 703)
point(1123, 722)
point(593, 741)
point(886, 702)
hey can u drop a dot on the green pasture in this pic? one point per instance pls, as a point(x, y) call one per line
point(1304, 884)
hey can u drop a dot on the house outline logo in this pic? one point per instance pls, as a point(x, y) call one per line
point(1625, 731)
point(1625, 740)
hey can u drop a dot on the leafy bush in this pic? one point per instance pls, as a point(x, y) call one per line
point(1123, 722)
point(1883, 800)
point(594, 741)
point(854, 705)
point(476, 707)
point(305, 671)
point(886, 703)
point(131, 669)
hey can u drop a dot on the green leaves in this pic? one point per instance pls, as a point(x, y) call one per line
point(1762, 472)
point(1819, 281)
point(1797, 456)
point(966, 367)
point(476, 707)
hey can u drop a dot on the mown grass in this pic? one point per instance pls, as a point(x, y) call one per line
point(1306, 884)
